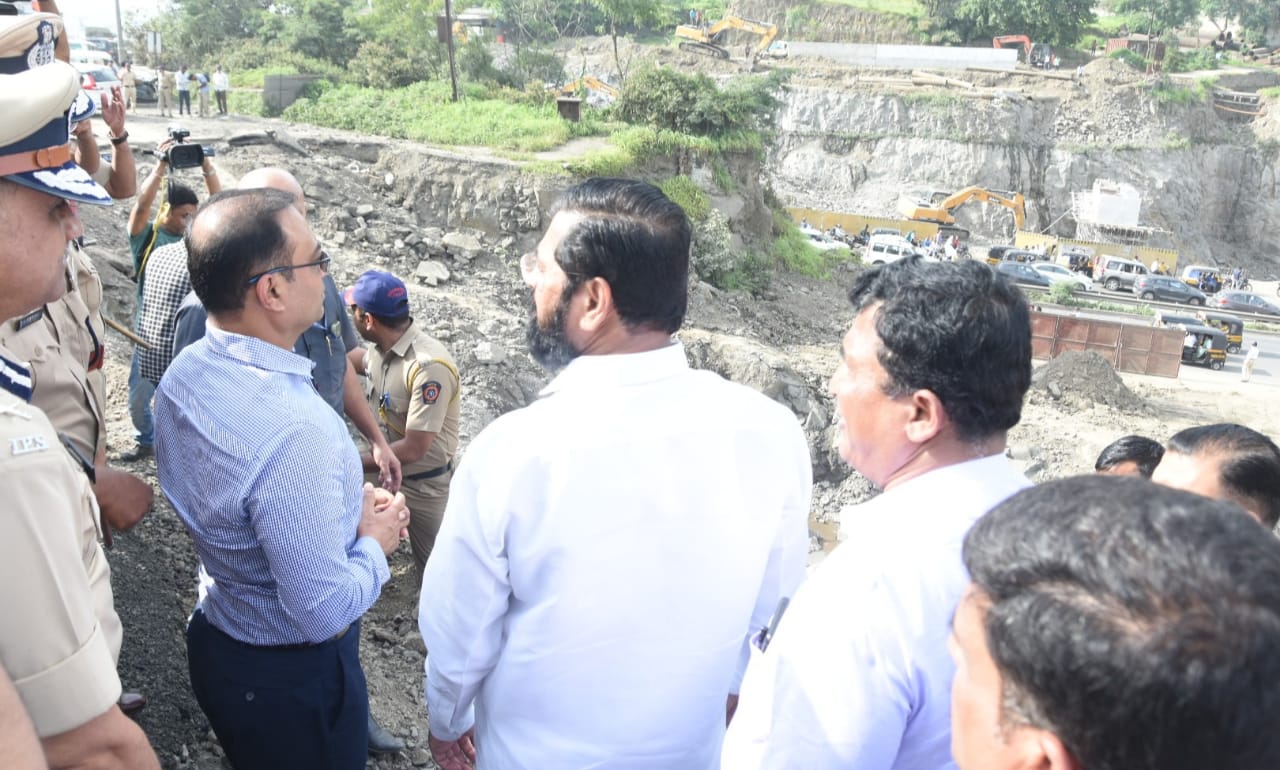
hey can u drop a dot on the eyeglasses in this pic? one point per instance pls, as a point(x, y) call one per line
point(531, 269)
point(322, 263)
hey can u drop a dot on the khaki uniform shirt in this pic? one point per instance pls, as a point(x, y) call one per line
point(415, 386)
point(61, 636)
point(62, 345)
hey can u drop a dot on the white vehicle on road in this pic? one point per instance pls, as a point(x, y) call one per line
point(1059, 274)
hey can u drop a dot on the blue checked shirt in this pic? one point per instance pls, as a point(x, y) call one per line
point(266, 478)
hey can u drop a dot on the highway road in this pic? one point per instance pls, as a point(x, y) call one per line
point(1266, 373)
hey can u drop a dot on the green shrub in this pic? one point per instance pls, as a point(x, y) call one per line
point(247, 103)
point(388, 64)
point(1061, 291)
point(686, 194)
point(1168, 92)
point(665, 98)
point(1190, 61)
point(1129, 57)
point(723, 178)
point(248, 64)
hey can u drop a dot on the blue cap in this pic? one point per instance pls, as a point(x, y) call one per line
point(380, 293)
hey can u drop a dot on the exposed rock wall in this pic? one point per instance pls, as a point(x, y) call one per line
point(1212, 182)
point(828, 22)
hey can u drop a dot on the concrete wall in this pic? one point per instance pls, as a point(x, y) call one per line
point(909, 56)
point(279, 91)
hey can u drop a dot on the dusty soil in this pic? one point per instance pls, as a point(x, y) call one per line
point(1075, 409)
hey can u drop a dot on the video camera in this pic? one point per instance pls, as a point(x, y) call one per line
point(182, 155)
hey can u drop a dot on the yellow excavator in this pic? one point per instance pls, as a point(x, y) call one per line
point(709, 40)
point(589, 83)
point(937, 206)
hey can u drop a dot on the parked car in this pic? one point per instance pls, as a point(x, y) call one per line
point(882, 249)
point(1167, 289)
point(97, 80)
point(1021, 272)
point(148, 84)
point(1117, 273)
point(1058, 274)
point(1244, 301)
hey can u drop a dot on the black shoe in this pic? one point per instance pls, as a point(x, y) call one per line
point(139, 452)
point(381, 741)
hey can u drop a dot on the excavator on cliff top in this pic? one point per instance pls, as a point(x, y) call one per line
point(937, 206)
point(587, 83)
point(709, 40)
point(1037, 54)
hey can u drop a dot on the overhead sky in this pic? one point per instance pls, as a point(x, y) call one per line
point(102, 13)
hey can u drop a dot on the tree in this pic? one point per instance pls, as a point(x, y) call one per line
point(317, 28)
point(635, 13)
point(1161, 15)
point(1060, 22)
point(1256, 16)
point(199, 30)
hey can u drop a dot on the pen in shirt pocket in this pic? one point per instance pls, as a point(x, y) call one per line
point(762, 639)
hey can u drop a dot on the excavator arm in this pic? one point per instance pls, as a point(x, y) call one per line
point(940, 211)
point(709, 40)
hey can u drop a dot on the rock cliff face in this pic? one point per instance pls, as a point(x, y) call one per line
point(828, 22)
point(1203, 174)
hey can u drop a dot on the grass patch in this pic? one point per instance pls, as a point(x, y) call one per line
point(932, 99)
point(1176, 141)
point(422, 112)
point(1273, 92)
point(1075, 301)
point(792, 250)
point(910, 8)
point(246, 103)
point(1166, 91)
point(636, 144)
point(723, 179)
point(687, 195)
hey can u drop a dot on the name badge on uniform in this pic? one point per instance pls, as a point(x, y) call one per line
point(28, 319)
point(27, 444)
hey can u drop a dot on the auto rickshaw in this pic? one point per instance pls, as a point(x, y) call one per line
point(1230, 325)
point(1210, 348)
point(1168, 320)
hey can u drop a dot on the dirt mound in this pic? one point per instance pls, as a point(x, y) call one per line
point(1087, 377)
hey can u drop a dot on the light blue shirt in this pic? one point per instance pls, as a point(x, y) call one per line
point(858, 674)
point(265, 477)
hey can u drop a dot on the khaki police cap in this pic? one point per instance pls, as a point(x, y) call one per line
point(34, 134)
point(27, 41)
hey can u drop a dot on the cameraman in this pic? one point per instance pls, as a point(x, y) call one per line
point(145, 236)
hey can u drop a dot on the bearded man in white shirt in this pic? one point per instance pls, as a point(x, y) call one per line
point(609, 549)
point(932, 375)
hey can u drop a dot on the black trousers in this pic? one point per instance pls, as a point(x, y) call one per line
point(282, 709)
point(222, 101)
point(184, 100)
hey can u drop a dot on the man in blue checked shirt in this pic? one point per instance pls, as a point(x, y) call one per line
point(265, 476)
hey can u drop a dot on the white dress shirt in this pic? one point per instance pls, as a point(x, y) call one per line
point(858, 674)
point(605, 555)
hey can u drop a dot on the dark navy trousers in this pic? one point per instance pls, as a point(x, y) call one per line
point(272, 708)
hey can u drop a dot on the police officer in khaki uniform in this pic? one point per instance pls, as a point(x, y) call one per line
point(62, 343)
point(414, 389)
point(60, 631)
